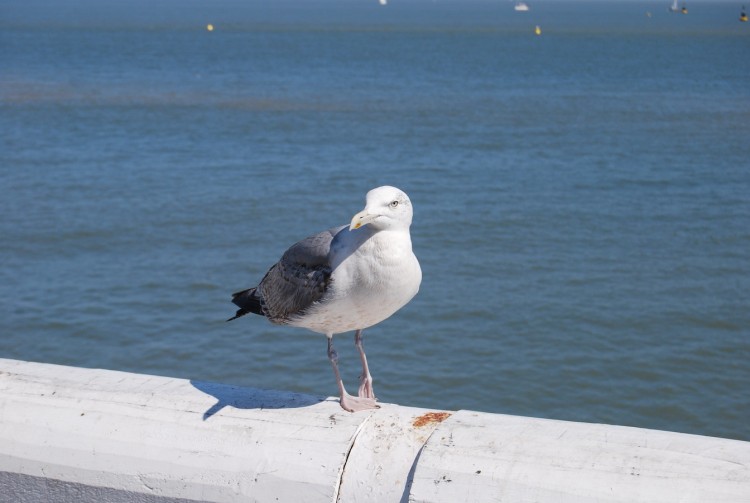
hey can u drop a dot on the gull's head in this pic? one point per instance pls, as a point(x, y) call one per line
point(387, 208)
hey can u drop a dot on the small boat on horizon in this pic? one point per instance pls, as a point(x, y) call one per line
point(521, 7)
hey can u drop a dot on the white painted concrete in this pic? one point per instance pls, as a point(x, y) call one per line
point(72, 434)
point(480, 457)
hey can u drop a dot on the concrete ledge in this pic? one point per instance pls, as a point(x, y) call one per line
point(72, 434)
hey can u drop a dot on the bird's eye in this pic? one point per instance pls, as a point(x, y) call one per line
point(393, 204)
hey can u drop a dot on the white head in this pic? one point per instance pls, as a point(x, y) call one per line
point(387, 208)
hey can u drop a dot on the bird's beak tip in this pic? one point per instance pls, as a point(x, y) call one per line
point(362, 218)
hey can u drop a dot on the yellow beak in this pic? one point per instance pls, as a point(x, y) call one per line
point(362, 218)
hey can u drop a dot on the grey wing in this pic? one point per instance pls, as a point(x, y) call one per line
point(300, 279)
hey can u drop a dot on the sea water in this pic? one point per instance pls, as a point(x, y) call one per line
point(582, 197)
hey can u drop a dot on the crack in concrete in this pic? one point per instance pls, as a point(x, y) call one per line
point(340, 477)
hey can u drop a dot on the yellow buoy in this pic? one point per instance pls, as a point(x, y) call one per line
point(538, 30)
point(210, 27)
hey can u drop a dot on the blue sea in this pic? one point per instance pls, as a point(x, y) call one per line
point(582, 197)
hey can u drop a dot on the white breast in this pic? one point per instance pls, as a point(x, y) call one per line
point(368, 285)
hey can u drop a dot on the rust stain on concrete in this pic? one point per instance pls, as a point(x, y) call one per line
point(429, 418)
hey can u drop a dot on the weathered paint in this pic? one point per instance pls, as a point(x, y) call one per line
point(72, 434)
point(147, 434)
point(475, 456)
point(381, 460)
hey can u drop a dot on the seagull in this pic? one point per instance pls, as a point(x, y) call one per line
point(345, 278)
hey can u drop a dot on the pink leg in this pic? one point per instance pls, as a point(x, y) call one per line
point(348, 402)
point(365, 380)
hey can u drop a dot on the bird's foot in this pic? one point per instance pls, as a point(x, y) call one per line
point(365, 387)
point(355, 404)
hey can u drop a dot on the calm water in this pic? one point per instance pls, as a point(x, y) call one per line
point(582, 197)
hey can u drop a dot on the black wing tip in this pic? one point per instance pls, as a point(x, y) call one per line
point(248, 302)
point(240, 313)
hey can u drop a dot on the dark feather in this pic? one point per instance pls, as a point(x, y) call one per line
point(294, 284)
point(248, 301)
